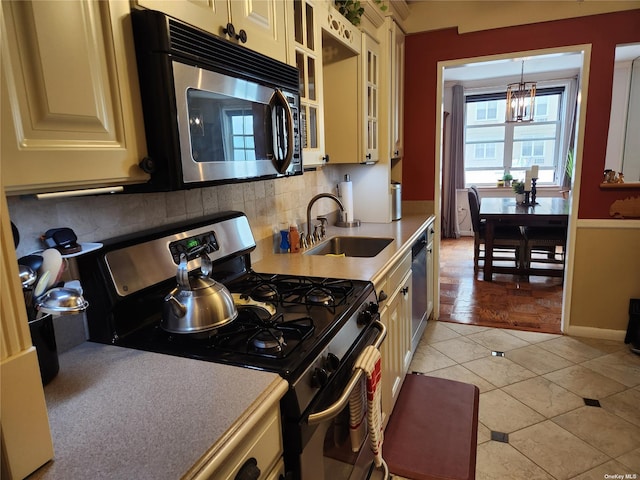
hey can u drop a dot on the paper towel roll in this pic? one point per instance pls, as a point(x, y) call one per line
point(346, 196)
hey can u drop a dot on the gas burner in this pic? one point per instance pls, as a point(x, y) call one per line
point(320, 296)
point(269, 339)
point(265, 292)
point(273, 337)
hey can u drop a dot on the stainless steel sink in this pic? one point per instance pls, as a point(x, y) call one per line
point(350, 246)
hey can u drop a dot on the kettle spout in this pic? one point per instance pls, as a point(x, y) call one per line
point(178, 309)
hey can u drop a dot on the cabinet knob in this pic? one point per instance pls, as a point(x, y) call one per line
point(368, 156)
point(382, 296)
point(249, 471)
point(242, 36)
point(230, 30)
point(405, 290)
point(326, 158)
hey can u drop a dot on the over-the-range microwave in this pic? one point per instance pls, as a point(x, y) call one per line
point(214, 112)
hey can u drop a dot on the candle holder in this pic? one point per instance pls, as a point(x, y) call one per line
point(533, 191)
point(526, 198)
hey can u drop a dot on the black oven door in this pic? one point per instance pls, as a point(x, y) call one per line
point(329, 452)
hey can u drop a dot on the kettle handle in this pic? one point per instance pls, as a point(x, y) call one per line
point(205, 264)
point(183, 273)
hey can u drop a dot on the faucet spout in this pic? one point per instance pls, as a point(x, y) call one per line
point(311, 202)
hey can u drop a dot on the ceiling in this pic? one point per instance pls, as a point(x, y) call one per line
point(533, 65)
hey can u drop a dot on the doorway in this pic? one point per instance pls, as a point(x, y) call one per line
point(494, 64)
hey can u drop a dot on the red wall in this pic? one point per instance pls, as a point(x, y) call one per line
point(425, 50)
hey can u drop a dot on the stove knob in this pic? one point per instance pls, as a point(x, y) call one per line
point(332, 362)
point(319, 378)
point(365, 317)
point(373, 307)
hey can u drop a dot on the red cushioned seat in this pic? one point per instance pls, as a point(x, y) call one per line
point(432, 432)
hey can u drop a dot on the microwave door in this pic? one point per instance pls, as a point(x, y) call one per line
point(282, 126)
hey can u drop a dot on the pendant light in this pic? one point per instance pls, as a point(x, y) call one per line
point(520, 100)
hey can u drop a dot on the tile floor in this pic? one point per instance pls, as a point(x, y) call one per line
point(536, 394)
point(533, 303)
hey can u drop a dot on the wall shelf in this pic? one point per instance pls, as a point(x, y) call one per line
point(619, 186)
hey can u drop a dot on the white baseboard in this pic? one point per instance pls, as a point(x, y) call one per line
point(601, 333)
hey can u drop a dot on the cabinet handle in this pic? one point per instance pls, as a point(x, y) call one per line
point(368, 156)
point(405, 290)
point(326, 158)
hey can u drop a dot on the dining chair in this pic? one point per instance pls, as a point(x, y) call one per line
point(547, 243)
point(508, 241)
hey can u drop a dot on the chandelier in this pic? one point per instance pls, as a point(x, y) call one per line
point(520, 100)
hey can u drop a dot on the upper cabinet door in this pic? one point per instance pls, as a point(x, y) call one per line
point(397, 91)
point(71, 114)
point(308, 46)
point(257, 24)
point(371, 90)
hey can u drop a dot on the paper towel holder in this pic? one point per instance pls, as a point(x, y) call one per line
point(341, 220)
point(348, 224)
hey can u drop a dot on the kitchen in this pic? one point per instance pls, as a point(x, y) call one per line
point(266, 203)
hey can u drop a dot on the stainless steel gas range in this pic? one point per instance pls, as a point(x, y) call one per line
point(309, 330)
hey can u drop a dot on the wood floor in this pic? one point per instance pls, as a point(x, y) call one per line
point(532, 304)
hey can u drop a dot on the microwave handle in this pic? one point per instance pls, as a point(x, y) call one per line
point(279, 100)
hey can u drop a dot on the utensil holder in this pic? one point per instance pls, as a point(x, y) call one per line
point(44, 339)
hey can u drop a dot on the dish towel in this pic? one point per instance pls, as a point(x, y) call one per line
point(370, 362)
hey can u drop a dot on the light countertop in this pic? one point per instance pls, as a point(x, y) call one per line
point(121, 413)
point(404, 232)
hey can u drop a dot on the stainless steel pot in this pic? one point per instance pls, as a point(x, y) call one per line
point(198, 303)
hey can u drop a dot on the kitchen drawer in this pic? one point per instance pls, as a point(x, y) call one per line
point(264, 443)
point(398, 272)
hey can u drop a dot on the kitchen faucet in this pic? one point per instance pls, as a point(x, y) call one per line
point(310, 238)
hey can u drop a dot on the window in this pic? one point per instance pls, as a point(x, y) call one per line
point(241, 133)
point(493, 146)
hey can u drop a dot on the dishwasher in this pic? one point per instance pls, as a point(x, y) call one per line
point(419, 302)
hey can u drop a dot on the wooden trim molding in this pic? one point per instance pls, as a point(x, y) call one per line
point(24, 422)
point(627, 208)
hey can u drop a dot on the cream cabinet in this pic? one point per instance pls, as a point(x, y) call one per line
point(308, 52)
point(352, 100)
point(259, 449)
point(260, 25)
point(71, 114)
point(394, 295)
point(431, 288)
point(396, 93)
point(371, 100)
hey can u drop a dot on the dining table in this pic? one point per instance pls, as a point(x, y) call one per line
point(545, 212)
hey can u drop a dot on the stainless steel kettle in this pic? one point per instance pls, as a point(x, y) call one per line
point(198, 303)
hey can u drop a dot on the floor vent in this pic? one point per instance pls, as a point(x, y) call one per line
point(591, 402)
point(500, 437)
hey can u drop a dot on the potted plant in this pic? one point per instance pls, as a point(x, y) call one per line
point(351, 10)
point(507, 178)
point(518, 189)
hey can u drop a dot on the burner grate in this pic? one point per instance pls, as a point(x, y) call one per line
point(272, 337)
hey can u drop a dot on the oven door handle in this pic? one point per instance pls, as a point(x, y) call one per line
point(336, 408)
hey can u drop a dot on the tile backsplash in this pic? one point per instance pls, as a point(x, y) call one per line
point(100, 217)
